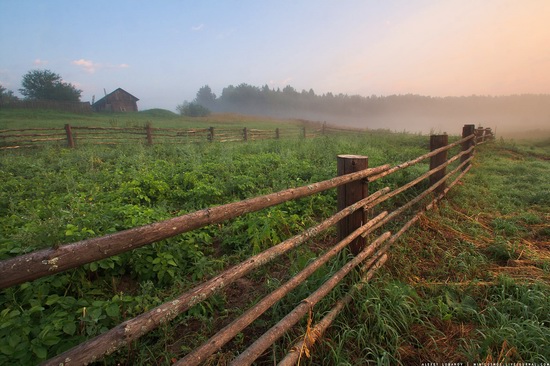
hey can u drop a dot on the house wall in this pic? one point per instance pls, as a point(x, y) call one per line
point(118, 101)
point(122, 102)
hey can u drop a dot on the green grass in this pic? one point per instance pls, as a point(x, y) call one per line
point(446, 294)
point(21, 118)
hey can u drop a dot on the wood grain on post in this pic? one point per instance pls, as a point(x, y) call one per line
point(149, 132)
point(350, 193)
point(488, 134)
point(467, 130)
point(437, 141)
point(211, 134)
point(479, 134)
point(70, 140)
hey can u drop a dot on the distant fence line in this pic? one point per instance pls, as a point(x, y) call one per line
point(358, 217)
point(57, 105)
point(71, 136)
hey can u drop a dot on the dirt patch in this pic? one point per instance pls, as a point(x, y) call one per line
point(242, 292)
point(125, 284)
point(440, 343)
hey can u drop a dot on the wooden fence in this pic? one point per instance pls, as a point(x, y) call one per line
point(57, 105)
point(359, 219)
point(73, 136)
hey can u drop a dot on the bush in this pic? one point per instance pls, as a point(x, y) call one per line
point(192, 110)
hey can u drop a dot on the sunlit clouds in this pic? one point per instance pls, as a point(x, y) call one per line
point(91, 67)
point(86, 65)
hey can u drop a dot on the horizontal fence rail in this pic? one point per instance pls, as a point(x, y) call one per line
point(72, 136)
point(45, 262)
point(367, 258)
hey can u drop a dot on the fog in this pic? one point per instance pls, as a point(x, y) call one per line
point(507, 115)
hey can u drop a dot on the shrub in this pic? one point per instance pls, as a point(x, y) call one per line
point(192, 110)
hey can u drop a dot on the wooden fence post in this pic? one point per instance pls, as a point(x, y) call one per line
point(437, 141)
point(488, 135)
point(277, 133)
point(149, 132)
point(245, 134)
point(211, 134)
point(467, 130)
point(304, 132)
point(69, 132)
point(479, 134)
point(349, 194)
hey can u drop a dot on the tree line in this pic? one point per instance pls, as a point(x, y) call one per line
point(380, 111)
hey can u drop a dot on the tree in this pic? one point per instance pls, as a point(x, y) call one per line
point(192, 110)
point(45, 84)
point(7, 96)
point(205, 97)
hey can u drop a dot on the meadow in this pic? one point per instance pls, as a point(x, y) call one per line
point(23, 118)
point(469, 283)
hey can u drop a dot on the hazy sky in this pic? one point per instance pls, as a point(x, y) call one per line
point(164, 51)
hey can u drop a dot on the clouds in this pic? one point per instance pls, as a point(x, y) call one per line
point(197, 28)
point(91, 67)
point(39, 62)
point(87, 65)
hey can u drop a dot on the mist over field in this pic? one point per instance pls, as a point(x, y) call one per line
point(508, 115)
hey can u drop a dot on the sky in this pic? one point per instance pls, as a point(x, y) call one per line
point(163, 51)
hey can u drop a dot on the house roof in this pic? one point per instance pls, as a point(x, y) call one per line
point(113, 92)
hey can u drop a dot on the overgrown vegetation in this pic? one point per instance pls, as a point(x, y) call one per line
point(448, 293)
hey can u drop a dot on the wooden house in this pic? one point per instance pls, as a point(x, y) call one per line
point(118, 101)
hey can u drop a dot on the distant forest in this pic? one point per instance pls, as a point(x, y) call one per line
point(413, 113)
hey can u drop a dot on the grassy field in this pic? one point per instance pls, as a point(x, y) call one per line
point(469, 283)
point(21, 118)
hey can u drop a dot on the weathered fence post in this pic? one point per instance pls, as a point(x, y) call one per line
point(245, 134)
point(437, 141)
point(479, 134)
point(304, 132)
point(277, 135)
point(349, 194)
point(488, 134)
point(149, 132)
point(467, 130)
point(211, 134)
point(69, 132)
